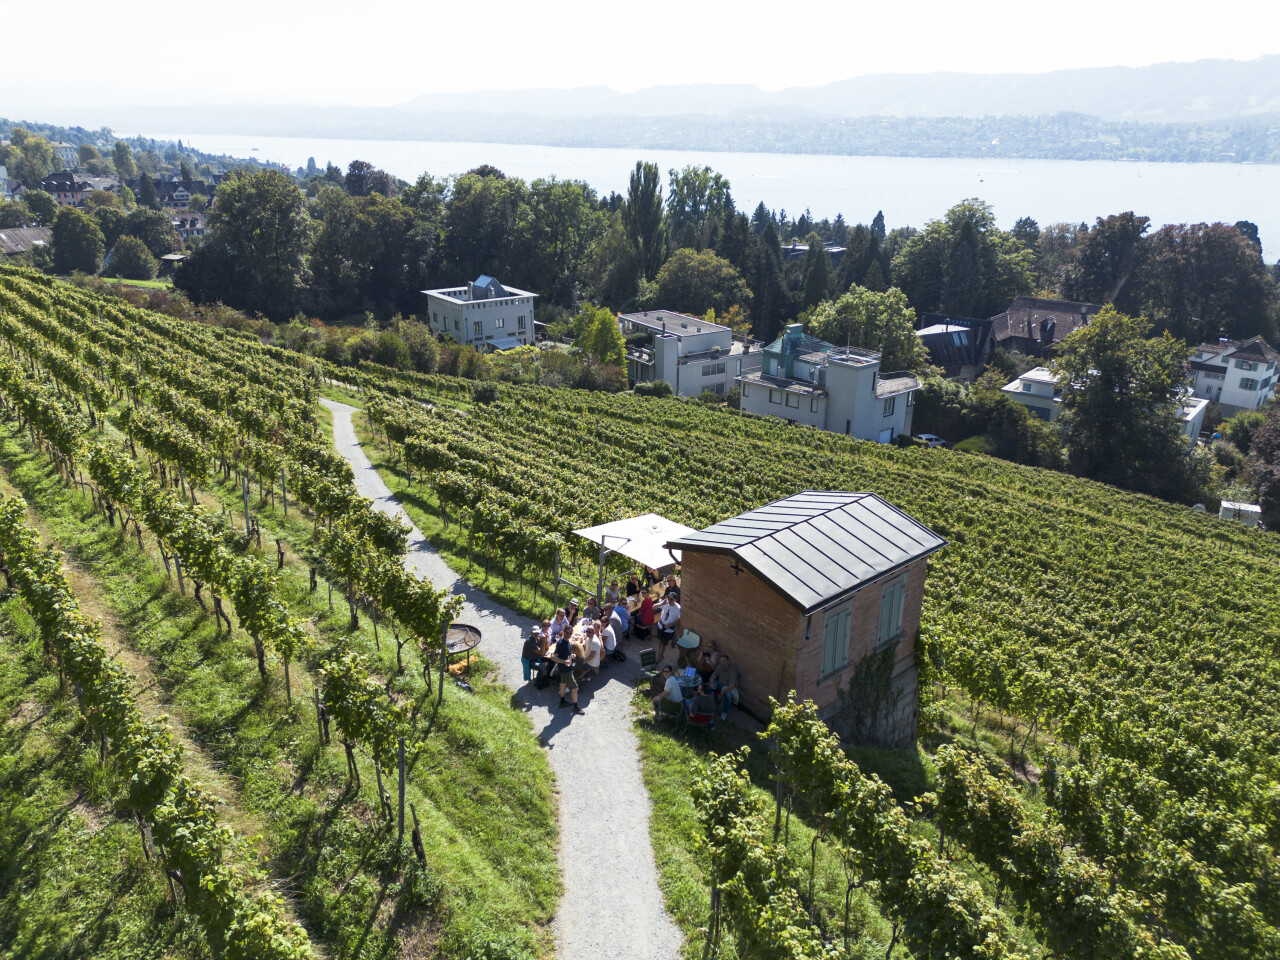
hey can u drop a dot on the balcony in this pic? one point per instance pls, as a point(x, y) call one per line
point(801, 387)
point(900, 381)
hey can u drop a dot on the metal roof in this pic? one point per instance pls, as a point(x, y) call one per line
point(818, 546)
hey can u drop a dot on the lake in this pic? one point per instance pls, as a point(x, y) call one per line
point(910, 191)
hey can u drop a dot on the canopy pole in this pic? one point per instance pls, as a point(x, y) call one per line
point(555, 594)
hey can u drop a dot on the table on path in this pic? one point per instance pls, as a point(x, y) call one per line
point(605, 855)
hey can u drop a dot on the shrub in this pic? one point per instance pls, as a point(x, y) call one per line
point(131, 260)
point(653, 388)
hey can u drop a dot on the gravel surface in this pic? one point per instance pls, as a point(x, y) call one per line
point(612, 908)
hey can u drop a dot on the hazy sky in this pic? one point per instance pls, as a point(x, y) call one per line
point(382, 53)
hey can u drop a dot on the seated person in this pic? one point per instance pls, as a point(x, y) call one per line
point(633, 586)
point(673, 588)
point(531, 655)
point(609, 637)
point(702, 703)
point(645, 618)
point(710, 657)
point(611, 594)
point(650, 577)
point(559, 625)
point(620, 619)
point(592, 611)
point(724, 684)
point(593, 647)
point(571, 613)
point(670, 691)
point(579, 659)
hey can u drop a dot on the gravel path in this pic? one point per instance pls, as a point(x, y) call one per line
point(612, 907)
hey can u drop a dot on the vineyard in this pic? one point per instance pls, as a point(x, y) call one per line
point(1136, 642)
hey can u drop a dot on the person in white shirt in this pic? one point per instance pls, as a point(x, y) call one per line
point(558, 625)
point(668, 622)
point(609, 637)
point(594, 647)
point(671, 690)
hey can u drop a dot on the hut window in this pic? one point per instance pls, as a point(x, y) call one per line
point(835, 641)
point(891, 600)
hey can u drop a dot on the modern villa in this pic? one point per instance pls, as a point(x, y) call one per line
point(690, 354)
point(485, 314)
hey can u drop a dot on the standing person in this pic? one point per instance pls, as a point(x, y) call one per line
point(670, 691)
point(611, 595)
point(668, 622)
point(724, 684)
point(563, 657)
point(645, 617)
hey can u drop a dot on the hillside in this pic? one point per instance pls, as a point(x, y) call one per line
point(1134, 643)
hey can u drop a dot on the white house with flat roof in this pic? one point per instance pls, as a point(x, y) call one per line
point(1038, 391)
point(1235, 375)
point(690, 354)
point(485, 314)
point(840, 389)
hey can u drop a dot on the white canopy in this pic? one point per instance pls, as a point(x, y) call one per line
point(640, 538)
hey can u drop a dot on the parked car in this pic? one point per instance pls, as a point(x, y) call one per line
point(931, 440)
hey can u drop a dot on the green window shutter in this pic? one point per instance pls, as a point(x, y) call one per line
point(899, 595)
point(886, 614)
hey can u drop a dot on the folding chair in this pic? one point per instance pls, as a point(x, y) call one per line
point(649, 669)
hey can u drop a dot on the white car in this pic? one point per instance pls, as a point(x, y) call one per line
point(930, 440)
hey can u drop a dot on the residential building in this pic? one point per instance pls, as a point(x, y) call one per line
point(16, 240)
point(690, 354)
point(800, 592)
point(173, 192)
point(485, 314)
point(189, 224)
point(1038, 391)
point(1235, 375)
point(959, 345)
point(841, 389)
point(798, 251)
point(67, 154)
point(1035, 326)
point(65, 187)
point(6, 192)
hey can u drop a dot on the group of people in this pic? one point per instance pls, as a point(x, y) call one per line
point(578, 642)
point(574, 646)
point(710, 686)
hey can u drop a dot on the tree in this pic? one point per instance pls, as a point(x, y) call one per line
point(364, 178)
point(874, 321)
point(147, 192)
point(185, 173)
point(693, 282)
point(87, 154)
point(15, 214)
point(962, 261)
point(97, 199)
point(596, 334)
point(487, 228)
point(111, 222)
point(1106, 259)
point(154, 228)
point(1027, 232)
point(1206, 278)
point(1120, 400)
point(42, 205)
point(698, 204)
point(122, 157)
point(817, 272)
point(131, 259)
point(35, 161)
point(565, 226)
point(361, 258)
point(642, 218)
point(1264, 467)
point(255, 254)
point(77, 242)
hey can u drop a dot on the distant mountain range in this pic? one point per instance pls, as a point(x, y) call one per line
point(1210, 110)
point(1163, 93)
